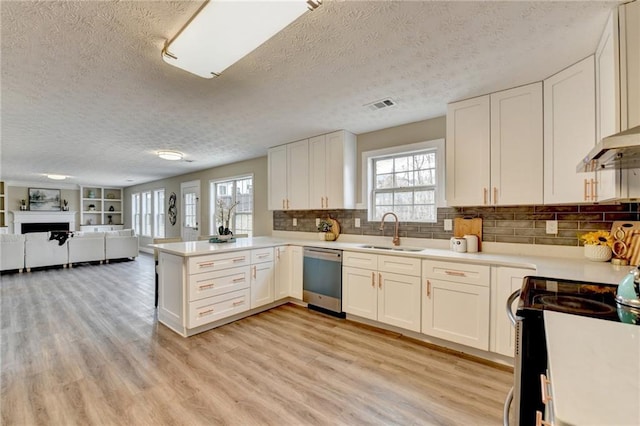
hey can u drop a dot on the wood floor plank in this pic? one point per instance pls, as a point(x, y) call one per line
point(83, 346)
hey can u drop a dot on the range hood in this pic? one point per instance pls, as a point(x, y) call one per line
point(619, 151)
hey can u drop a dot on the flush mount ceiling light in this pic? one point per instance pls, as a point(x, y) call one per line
point(223, 31)
point(57, 177)
point(170, 155)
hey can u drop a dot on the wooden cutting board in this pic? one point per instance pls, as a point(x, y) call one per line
point(631, 239)
point(463, 226)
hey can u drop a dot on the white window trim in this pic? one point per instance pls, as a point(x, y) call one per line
point(154, 204)
point(367, 169)
point(212, 196)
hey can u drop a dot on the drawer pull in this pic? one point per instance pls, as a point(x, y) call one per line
point(206, 286)
point(429, 289)
point(262, 256)
point(239, 259)
point(373, 279)
point(238, 302)
point(205, 265)
point(207, 312)
point(238, 280)
point(543, 388)
point(379, 280)
point(539, 421)
point(455, 273)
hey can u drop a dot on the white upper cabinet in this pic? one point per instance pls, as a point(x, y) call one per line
point(569, 133)
point(630, 64)
point(516, 136)
point(487, 139)
point(289, 176)
point(332, 171)
point(467, 152)
point(607, 80)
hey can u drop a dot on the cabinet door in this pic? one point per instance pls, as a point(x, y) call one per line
point(516, 142)
point(341, 170)
point(507, 280)
point(296, 271)
point(630, 64)
point(277, 164)
point(298, 175)
point(359, 292)
point(467, 152)
point(282, 272)
point(608, 102)
point(399, 300)
point(317, 172)
point(262, 284)
point(456, 312)
point(569, 132)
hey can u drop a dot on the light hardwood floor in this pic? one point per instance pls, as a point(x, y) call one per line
point(83, 346)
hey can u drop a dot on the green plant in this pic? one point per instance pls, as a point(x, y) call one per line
point(324, 225)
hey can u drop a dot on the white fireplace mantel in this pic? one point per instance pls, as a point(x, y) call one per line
point(28, 216)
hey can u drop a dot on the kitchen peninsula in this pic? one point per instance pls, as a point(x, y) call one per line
point(204, 285)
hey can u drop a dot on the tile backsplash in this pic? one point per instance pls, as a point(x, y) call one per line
point(516, 224)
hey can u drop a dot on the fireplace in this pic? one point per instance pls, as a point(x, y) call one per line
point(36, 221)
point(44, 227)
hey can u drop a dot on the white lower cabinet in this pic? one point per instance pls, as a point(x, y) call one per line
point(504, 282)
point(262, 282)
point(455, 302)
point(288, 272)
point(211, 309)
point(382, 294)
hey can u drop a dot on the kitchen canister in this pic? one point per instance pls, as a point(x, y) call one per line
point(459, 245)
point(472, 243)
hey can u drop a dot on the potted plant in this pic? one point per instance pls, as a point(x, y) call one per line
point(223, 229)
point(597, 245)
point(324, 230)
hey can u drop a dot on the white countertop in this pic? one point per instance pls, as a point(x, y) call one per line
point(571, 268)
point(595, 370)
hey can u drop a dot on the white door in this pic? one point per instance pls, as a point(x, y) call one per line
point(399, 300)
point(456, 312)
point(190, 210)
point(467, 152)
point(359, 292)
point(262, 288)
point(569, 132)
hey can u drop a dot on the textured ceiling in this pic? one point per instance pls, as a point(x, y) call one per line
point(85, 93)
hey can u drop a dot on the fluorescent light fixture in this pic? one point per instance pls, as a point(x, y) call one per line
point(57, 177)
point(170, 155)
point(223, 31)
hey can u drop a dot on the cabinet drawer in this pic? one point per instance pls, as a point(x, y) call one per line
point(210, 284)
point(399, 265)
point(262, 255)
point(216, 262)
point(457, 272)
point(360, 260)
point(218, 307)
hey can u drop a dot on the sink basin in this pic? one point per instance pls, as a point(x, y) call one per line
point(393, 248)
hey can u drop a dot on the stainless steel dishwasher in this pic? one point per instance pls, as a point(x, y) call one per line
point(322, 280)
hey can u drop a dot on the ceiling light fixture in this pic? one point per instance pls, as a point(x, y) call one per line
point(170, 155)
point(222, 32)
point(57, 177)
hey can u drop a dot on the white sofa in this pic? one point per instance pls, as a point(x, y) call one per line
point(120, 244)
point(86, 247)
point(12, 252)
point(41, 251)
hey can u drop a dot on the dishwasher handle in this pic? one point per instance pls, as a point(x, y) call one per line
point(331, 255)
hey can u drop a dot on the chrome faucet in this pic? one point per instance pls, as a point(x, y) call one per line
point(396, 238)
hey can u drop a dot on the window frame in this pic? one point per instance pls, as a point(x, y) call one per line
point(213, 210)
point(368, 184)
point(136, 212)
point(158, 214)
point(146, 213)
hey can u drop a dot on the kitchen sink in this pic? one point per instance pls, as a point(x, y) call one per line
point(414, 249)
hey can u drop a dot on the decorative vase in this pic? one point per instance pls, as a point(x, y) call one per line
point(597, 253)
point(326, 236)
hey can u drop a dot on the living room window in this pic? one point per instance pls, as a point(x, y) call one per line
point(146, 214)
point(135, 212)
point(234, 192)
point(407, 180)
point(158, 213)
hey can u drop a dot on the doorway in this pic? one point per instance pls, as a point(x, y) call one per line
point(190, 192)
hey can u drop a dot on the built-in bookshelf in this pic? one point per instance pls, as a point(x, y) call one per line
point(100, 208)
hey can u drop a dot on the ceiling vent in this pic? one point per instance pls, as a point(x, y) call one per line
point(381, 104)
